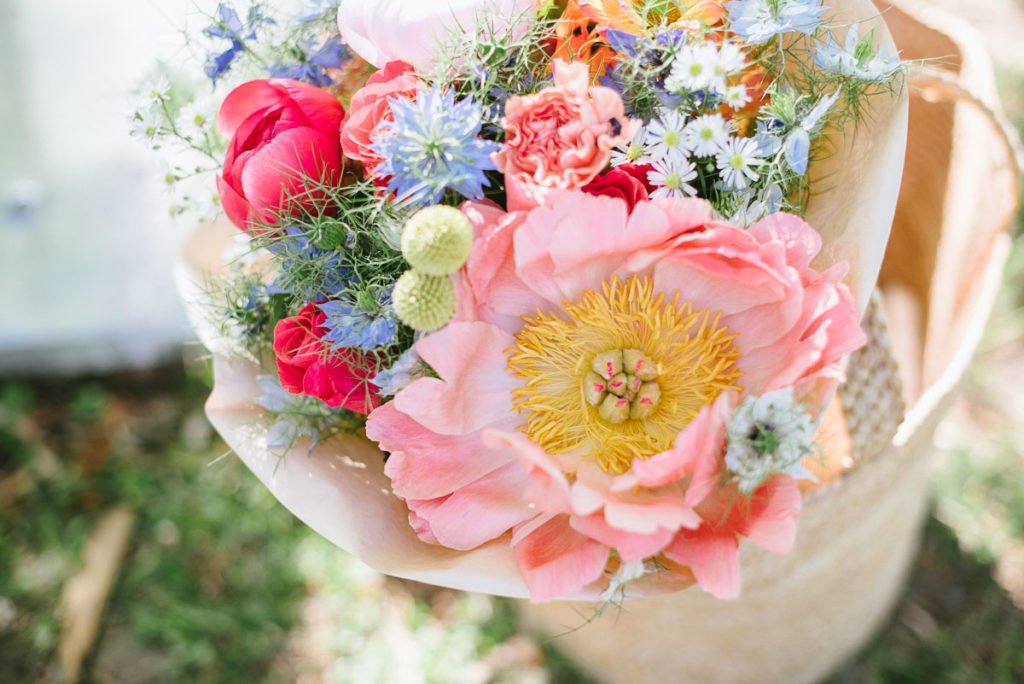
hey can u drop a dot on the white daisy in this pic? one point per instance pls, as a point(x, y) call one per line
point(769, 435)
point(706, 134)
point(672, 178)
point(666, 137)
point(737, 97)
point(694, 68)
point(633, 152)
point(729, 60)
point(737, 160)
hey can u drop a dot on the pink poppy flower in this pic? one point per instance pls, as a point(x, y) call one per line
point(583, 394)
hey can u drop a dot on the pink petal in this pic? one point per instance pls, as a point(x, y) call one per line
point(647, 511)
point(425, 464)
point(274, 174)
point(630, 546)
point(548, 488)
point(483, 510)
point(801, 242)
point(555, 560)
point(773, 513)
point(712, 557)
point(243, 101)
point(474, 390)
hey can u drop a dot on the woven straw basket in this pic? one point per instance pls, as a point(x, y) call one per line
point(801, 615)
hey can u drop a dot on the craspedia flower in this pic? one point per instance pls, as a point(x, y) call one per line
point(437, 240)
point(423, 302)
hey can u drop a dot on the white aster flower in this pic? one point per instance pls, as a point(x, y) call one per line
point(706, 134)
point(729, 60)
point(672, 177)
point(695, 68)
point(633, 152)
point(148, 121)
point(737, 97)
point(769, 435)
point(159, 90)
point(666, 137)
point(195, 118)
point(737, 161)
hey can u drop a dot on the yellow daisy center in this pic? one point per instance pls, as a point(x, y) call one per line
point(621, 373)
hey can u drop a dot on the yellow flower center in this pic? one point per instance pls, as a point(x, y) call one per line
point(621, 373)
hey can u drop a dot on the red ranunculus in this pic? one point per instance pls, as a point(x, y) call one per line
point(282, 131)
point(371, 106)
point(620, 183)
point(306, 367)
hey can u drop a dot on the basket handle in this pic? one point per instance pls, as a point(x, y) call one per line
point(936, 85)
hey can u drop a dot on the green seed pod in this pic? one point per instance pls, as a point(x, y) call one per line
point(437, 240)
point(423, 302)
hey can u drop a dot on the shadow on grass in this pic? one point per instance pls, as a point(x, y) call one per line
point(954, 624)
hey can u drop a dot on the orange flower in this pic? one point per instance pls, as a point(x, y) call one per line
point(578, 40)
point(623, 15)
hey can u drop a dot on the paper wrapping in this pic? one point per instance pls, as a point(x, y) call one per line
point(339, 488)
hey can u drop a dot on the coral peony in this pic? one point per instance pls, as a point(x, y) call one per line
point(282, 131)
point(583, 396)
point(306, 366)
point(561, 137)
point(370, 107)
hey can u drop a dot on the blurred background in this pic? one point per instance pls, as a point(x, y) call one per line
point(108, 464)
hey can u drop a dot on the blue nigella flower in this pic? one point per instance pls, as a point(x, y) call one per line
point(305, 269)
point(348, 325)
point(314, 63)
point(229, 27)
point(857, 57)
point(432, 146)
point(757, 21)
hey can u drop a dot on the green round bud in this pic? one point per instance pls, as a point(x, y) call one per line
point(437, 240)
point(423, 302)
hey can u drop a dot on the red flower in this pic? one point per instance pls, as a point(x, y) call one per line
point(306, 367)
point(281, 132)
point(622, 183)
point(371, 106)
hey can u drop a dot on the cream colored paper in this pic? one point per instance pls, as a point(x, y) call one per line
point(339, 489)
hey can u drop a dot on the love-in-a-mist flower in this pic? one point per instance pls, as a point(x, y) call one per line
point(769, 435)
point(858, 57)
point(758, 21)
point(706, 134)
point(666, 137)
point(433, 144)
point(672, 178)
point(738, 162)
point(351, 324)
point(582, 393)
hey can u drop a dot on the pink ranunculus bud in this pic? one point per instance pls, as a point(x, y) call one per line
point(282, 132)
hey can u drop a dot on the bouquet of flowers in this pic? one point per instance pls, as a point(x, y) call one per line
point(553, 259)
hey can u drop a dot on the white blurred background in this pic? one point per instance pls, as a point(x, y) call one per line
point(86, 243)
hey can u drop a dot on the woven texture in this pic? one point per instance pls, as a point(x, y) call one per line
point(872, 396)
